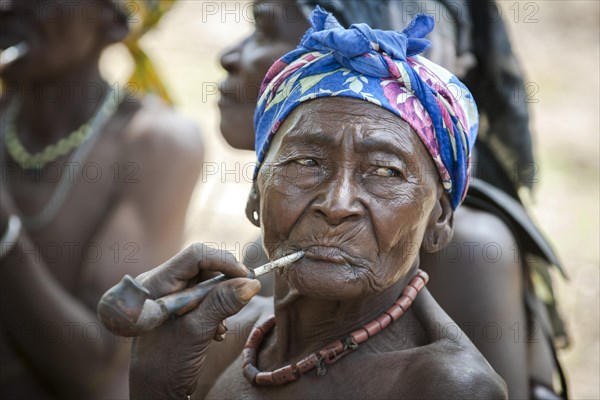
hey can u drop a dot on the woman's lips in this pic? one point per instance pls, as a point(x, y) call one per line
point(328, 254)
point(229, 93)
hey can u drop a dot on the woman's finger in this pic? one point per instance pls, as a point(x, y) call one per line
point(174, 274)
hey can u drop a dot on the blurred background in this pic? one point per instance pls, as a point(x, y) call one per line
point(557, 43)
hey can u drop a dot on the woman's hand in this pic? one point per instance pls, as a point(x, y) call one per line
point(166, 362)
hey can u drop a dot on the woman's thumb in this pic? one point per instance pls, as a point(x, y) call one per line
point(227, 299)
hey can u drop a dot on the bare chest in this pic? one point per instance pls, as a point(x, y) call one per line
point(63, 206)
point(355, 376)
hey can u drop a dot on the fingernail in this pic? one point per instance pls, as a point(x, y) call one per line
point(248, 289)
point(222, 329)
point(219, 338)
point(246, 270)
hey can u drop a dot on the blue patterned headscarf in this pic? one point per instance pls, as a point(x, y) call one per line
point(381, 67)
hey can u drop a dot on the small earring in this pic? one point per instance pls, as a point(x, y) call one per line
point(436, 239)
point(253, 206)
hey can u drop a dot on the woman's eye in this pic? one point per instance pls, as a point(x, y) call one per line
point(260, 37)
point(264, 31)
point(387, 172)
point(307, 162)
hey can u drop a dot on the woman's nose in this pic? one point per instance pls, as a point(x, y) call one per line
point(230, 58)
point(340, 201)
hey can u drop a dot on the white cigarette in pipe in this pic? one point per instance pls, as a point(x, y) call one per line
point(280, 262)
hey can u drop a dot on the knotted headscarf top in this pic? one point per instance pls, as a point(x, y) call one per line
point(394, 14)
point(141, 16)
point(381, 67)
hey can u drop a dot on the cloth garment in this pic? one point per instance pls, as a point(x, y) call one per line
point(394, 14)
point(143, 15)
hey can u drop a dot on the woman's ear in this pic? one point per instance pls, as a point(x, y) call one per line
point(253, 205)
point(441, 225)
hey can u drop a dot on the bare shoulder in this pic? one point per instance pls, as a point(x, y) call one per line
point(483, 254)
point(158, 133)
point(489, 264)
point(460, 373)
point(483, 228)
point(164, 152)
point(455, 368)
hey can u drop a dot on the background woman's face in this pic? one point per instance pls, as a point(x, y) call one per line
point(279, 26)
point(62, 35)
point(353, 186)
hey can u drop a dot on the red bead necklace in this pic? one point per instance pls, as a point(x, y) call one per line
point(329, 354)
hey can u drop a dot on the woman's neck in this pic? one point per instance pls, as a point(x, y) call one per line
point(304, 325)
point(53, 108)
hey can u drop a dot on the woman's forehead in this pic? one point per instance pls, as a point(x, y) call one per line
point(326, 122)
point(341, 114)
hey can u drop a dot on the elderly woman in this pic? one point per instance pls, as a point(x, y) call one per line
point(363, 154)
point(488, 293)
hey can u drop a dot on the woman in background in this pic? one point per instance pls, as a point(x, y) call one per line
point(96, 180)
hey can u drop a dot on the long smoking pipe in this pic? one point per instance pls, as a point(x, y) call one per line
point(127, 309)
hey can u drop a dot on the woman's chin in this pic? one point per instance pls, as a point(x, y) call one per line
point(237, 132)
point(323, 280)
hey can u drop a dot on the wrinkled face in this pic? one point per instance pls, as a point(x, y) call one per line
point(61, 34)
point(279, 25)
point(353, 186)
